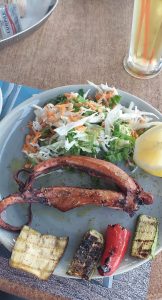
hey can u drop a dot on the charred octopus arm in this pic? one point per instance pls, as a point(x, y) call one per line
point(8, 201)
point(66, 198)
point(134, 193)
point(62, 198)
point(92, 166)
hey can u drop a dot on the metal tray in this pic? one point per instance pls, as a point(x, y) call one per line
point(30, 29)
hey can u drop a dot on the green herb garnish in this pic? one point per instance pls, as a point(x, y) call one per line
point(114, 101)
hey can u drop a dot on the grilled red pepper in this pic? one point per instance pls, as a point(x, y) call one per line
point(117, 238)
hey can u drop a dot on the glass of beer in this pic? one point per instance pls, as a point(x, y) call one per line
point(145, 54)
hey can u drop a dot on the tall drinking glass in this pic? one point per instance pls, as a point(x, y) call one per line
point(145, 53)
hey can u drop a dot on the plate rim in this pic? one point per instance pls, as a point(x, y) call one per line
point(84, 86)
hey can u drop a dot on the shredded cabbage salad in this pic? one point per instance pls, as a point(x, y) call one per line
point(79, 124)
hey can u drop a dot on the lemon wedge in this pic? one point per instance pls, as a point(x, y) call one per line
point(148, 151)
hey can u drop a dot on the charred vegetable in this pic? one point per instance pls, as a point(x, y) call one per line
point(87, 255)
point(37, 254)
point(146, 235)
point(117, 238)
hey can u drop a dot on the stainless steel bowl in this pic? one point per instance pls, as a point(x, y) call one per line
point(30, 29)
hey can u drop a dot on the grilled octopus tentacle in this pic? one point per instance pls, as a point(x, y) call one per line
point(96, 167)
point(20, 183)
point(10, 200)
point(63, 198)
point(93, 166)
point(66, 198)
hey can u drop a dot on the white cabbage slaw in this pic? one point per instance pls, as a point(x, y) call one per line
point(81, 125)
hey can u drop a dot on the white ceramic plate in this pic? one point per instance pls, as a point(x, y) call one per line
point(77, 221)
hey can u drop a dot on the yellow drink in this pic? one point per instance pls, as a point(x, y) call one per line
point(144, 58)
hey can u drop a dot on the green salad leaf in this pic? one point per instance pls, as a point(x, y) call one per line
point(122, 147)
point(114, 101)
point(81, 92)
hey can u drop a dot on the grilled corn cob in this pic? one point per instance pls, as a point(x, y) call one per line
point(146, 235)
point(37, 254)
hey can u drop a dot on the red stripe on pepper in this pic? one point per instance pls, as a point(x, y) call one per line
point(117, 239)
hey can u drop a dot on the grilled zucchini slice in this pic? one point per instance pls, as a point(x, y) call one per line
point(87, 255)
point(146, 236)
point(36, 253)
